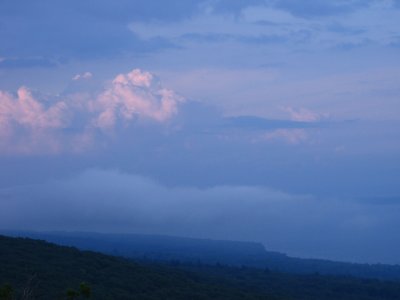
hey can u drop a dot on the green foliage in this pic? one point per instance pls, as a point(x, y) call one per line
point(100, 277)
point(85, 290)
point(71, 294)
point(189, 250)
point(6, 292)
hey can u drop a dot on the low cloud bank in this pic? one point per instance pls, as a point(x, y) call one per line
point(110, 201)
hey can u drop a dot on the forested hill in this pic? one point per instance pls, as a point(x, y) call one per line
point(166, 248)
point(56, 269)
point(49, 270)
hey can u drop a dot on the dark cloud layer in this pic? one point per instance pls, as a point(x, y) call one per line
point(64, 30)
point(76, 29)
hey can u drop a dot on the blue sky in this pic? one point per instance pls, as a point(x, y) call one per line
point(268, 120)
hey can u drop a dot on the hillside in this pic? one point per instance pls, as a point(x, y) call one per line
point(57, 268)
point(166, 248)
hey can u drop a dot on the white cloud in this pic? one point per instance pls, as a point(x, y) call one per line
point(135, 95)
point(26, 122)
point(35, 124)
point(27, 111)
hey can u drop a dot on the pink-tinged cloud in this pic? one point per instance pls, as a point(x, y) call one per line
point(32, 125)
point(26, 111)
point(304, 115)
point(28, 124)
point(133, 95)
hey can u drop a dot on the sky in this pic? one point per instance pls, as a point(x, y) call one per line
point(274, 121)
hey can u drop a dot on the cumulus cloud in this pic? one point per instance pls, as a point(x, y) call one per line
point(112, 201)
point(32, 124)
point(27, 111)
point(132, 95)
point(26, 122)
point(81, 118)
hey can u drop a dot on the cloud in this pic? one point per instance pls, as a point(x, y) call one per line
point(102, 29)
point(234, 6)
point(292, 131)
point(24, 113)
point(285, 24)
point(113, 201)
point(132, 95)
point(31, 124)
point(86, 75)
point(291, 136)
point(304, 115)
point(317, 8)
point(214, 52)
point(81, 118)
point(258, 123)
point(98, 29)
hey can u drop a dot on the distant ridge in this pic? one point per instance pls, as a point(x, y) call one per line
point(234, 253)
point(56, 269)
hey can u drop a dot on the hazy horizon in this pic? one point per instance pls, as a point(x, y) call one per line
point(272, 121)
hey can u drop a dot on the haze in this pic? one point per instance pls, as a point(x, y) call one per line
point(266, 120)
